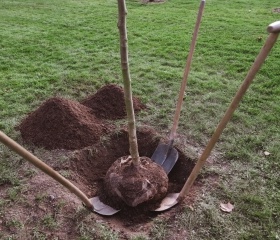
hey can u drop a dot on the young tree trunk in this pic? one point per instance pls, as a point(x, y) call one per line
point(133, 146)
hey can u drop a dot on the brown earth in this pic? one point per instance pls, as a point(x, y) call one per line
point(61, 124)
point(108, 103)
point(64, 124)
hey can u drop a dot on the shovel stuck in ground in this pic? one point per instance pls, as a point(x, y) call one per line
point(172, 199)
point(165, 154)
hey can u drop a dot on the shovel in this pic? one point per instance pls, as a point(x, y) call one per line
point(165, 154)
point(92, 204)
point(172, 199)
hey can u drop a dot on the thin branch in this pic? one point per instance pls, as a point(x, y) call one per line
point(133, 146)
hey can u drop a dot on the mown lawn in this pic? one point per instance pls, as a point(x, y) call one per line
point(71, 48)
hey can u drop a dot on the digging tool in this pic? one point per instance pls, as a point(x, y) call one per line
point(172, 199)
point(55, 175)
point(165, 154)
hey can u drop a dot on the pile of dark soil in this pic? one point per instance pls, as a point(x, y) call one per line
point(61, 124)
point(108, 103)
point(65, 124)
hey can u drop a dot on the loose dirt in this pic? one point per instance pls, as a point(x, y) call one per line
point(108, 103)
point(61, 124)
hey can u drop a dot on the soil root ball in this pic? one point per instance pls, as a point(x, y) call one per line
point(136, 184)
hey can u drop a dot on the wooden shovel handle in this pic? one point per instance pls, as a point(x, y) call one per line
point(234, 104)
point(44, 167)
point(186, 72)
point(274, 27)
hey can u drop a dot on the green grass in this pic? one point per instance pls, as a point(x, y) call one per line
point(71, 48)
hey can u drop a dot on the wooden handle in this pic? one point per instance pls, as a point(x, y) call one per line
point(44, 167)
point(234, 104)
point(274, 27)
point(186, 73)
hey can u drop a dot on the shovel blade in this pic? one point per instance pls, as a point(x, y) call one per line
point(168, 202)
point(166, 156)
point(101, 208)
point(170, 160)
point(160, 153)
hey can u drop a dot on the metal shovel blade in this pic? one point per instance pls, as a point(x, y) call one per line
point(101, 208)
point(170, 160)
point(168, 202)
point(166, 156)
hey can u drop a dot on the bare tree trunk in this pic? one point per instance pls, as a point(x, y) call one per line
point(133, 146)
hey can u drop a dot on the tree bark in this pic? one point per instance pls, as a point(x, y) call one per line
point(133, 146)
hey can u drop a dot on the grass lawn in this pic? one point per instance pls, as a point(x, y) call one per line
point(71, 48)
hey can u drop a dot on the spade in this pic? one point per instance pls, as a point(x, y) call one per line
point(165, 154)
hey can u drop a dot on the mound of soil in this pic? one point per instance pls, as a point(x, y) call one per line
point(65, 124)
point(108, 103)
point(61, 124)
